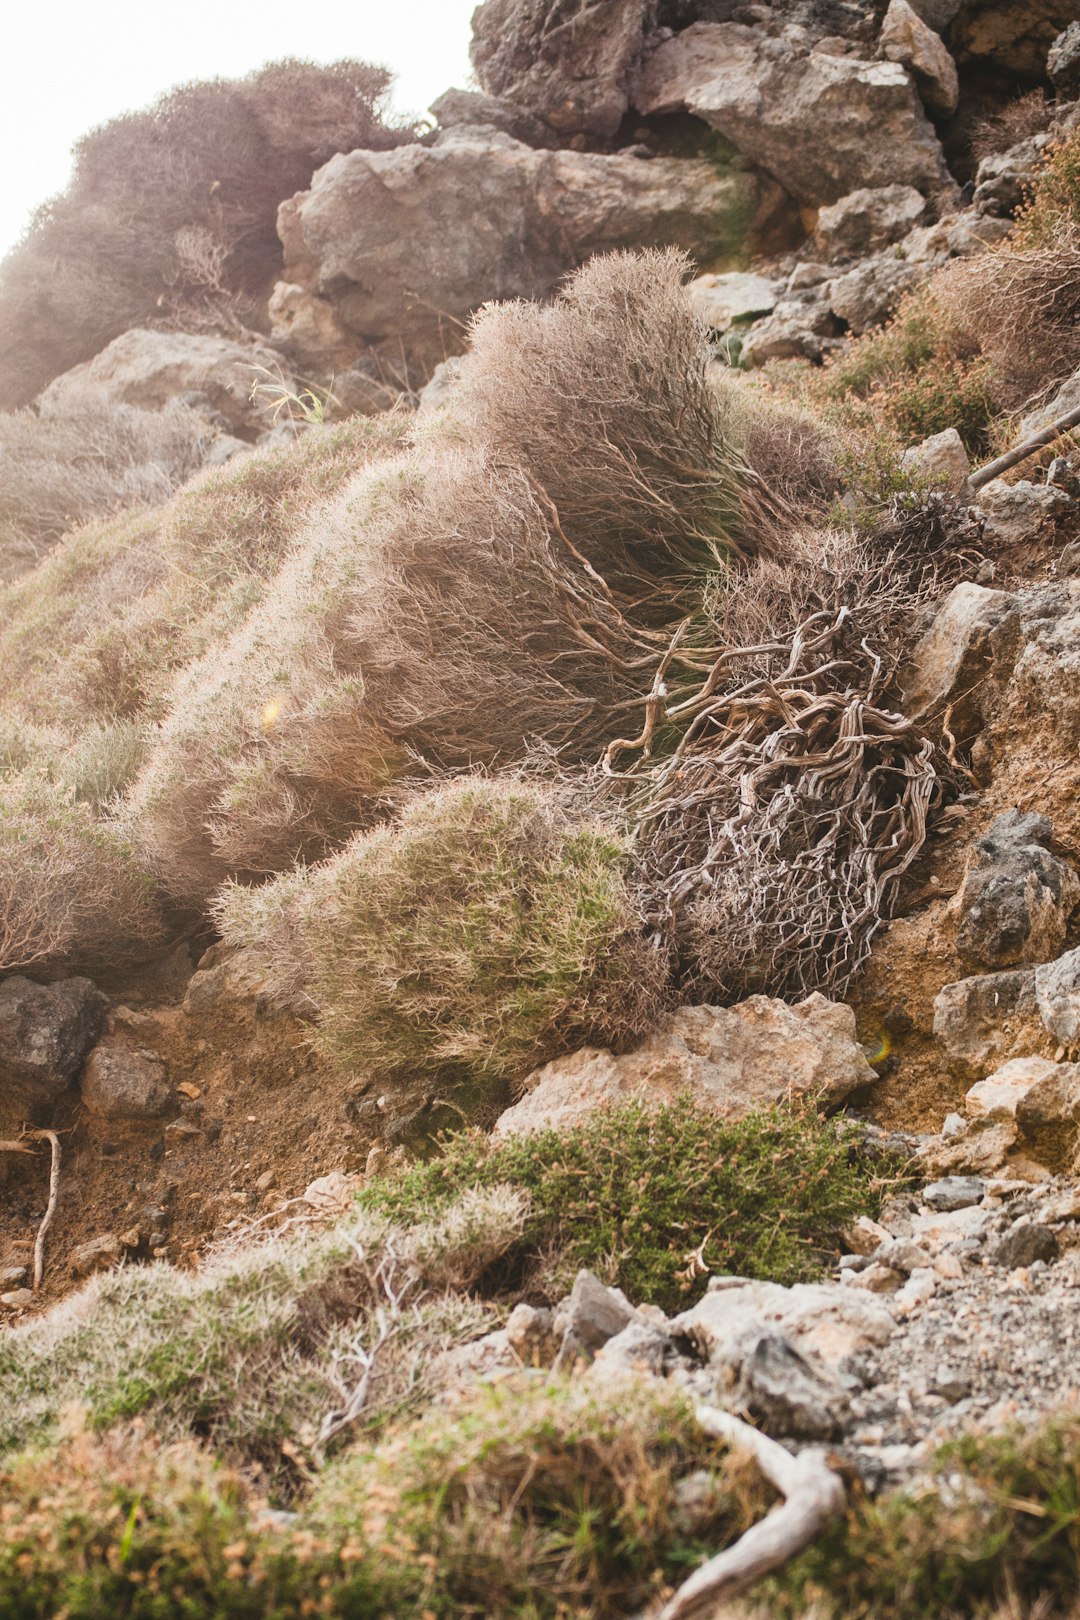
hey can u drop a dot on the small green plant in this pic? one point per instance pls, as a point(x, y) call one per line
point(655, 1200)
point(296, 403)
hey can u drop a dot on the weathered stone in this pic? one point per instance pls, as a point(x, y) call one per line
point(1016, 898)
point(120, 1083)
point(1003, 1091)
point(878, 1278)
point(569, 64)
point(228, 976)
point(1065, 400)
point(951, 659)
point(937, 14)
point(530, 1332)
point(787, 1394)
point(1004, 179)
point(905, 37)
point(823, 125)
point(868, 294)
point(731, 1059)
point(954, 1192)
point(303, 324)
point(980, 1150)
point(640, 1347)
point(1057, 993)
point(46, 1031)
point(868, 219)
point(17, 1299)
point(1021, 512)
point(722, 299)
point(150, 368)
point(1011, 34)
point(12, 1276)
point(827, 1324)
point(441, 387)
point(1063, 61)
point(591, 1316)
point(802, 326)
point(902, 1255)
point(456, 109)
point(984, 1021)
point(1024, 1243)
point(398, 243)
point(100, 1254)
point(941, 460)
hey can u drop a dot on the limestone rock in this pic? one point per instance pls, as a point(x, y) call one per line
point(1020, 512)
point(787, 1394)
point(802, 326)
point(731, 1059)
point(723, 299)
point(1016, 899)
point(941, 460)
point(149, 368)
point(395, 244)
point(980, 1150)
point(440, 387)
point(46, 1031)
point(1066, 399)
point(100, 1254)
point(119, 1083)
point(591, 1316)
point(1057, 993)
point(228, 975)
point(569, 64)
point(868, 219)
point(1013, 34)
point(905, 37)
point(1063, 61)
point(530, 1332)
point(303, 324)
point(823, 125)
point(983, 1021)
point(868, 294)
point(1004, 1090)
point(953, 1193)
point(825, 1324)
point(1023, 1244)
point(456, 109)
point(951, 659)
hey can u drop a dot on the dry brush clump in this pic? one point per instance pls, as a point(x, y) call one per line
point(93, 457)
point(447, 954)
point(173, 210)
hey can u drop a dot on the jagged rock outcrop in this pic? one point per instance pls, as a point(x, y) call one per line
point(905, 37)
point(823, 125)
point(728, 1058)
point(406, 244)
point(569, 64)
point(149, 368)
point(1017, 897)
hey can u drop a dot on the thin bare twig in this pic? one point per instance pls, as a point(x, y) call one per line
point(50, 1209)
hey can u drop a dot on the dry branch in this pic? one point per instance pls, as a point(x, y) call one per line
point(1028, 447)
point(813, 1495)
point(50, 1209)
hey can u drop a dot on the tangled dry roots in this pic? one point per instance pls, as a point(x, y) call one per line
point(777, 831)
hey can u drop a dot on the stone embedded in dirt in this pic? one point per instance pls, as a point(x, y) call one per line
point(984, 1021)
point(46, 1031)
point(591, 1316)
point(823, 125)
point(826, 1323)
point(867, 219)
point(787, 1394)
point(120, 1083)
point(728, 1058)
point(469, 219)
point(1063, 61)
point(722, 299)
point(1004, 1090)
point(17, 1299)
point(941, 460)
point(953, 1192)
point(100, 1254)
point(331, 1194)
point(570, 66)
point(1057, 994)
point(1017, 898)
point(149, 368)
point(1015, 514)
point(1023, 1244)
point(228, 975)
point(12, 1276)
point(950, 660)
point(906, 38)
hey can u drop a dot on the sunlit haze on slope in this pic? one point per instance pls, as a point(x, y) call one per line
point(68, 65)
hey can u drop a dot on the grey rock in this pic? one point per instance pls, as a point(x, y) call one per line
point(570, 65)
point(1063, 61)
point(952, 658)
point(734, 296)
point(640, 1347)
point(1065, 400)
point(868, 219)
point(984, 1021)
point(868, 294)
point(953, 1192)
point(17, 1299)
point(1023, 1244)
point(12, 1276)
point(1013, 514)
point(901, 1254)
point(937, 14)
point(1004, 179)
point(119, 1083)
point(802, 326)
point(1016, 898)
point(46, 1031)
point(100, 1254)
point(397, 244)
point(440, 387)
point(787, 1394)
point(592, 1315)
point(941, 460)
point(949, 1384)
point(823, 125)
point(474, 110)
point(530, 1331)
point(1057, 994)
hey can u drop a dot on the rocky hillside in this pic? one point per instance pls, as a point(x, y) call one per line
point(539, 860)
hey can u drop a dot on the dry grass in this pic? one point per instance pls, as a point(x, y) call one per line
point(1016, 121)
point(450, 953)
point(92, 458)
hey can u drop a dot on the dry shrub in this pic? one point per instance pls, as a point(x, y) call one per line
point(1016, 121)
point(72, 889)
point(89, 459)
point(794, 454)
point(791, 796)
point(174, 209)
point(489, 929)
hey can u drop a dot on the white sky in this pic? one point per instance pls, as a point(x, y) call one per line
point(68, 65)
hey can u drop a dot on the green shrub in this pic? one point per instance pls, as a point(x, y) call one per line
point(453, 951)
point(655, 1200)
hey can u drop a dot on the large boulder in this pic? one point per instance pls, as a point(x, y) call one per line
point(46, 1031)
point(871, 217)
point(985, 1021)
point(730, 1059)
point(951, 660)
point(150, 368)
point(406, 243)
point(906, 38)
point(568, 61)
point(1013, 34)
point(823, 125)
